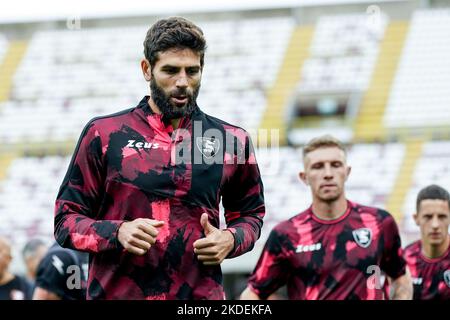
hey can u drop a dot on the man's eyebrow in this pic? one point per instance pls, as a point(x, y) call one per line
point(172, 67)
point(169, 66)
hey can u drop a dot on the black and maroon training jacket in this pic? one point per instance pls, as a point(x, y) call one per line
point(133, 164)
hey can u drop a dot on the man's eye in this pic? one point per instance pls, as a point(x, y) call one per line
point(192, 72)
point(171, 70)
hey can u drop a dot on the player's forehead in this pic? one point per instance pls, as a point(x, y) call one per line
point(434, 206)
point(324, 154)
point(178, 57)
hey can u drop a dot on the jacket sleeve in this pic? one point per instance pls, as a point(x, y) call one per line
point(392, 262)
point(243, 201)
point(272, 270)
point(76, 225)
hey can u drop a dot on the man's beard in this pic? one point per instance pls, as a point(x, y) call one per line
point(168, 110)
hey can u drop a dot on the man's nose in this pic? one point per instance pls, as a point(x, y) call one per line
point(182, 80)
point(435, 223)
point(328, 172)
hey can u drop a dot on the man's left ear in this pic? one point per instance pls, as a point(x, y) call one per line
point(146, 69)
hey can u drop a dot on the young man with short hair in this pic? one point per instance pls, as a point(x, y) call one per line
point(336, 249)
point(429, 258)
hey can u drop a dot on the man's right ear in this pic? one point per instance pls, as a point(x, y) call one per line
point(416, 218)
point(302, 177)
point(146, 69)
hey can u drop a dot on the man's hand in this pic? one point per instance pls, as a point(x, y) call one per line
point(139, 235)
point(248, 294)
point(213, 249)
point(402, 288)
point(43, 294)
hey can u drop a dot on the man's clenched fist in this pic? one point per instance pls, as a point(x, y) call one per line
point(139, 235)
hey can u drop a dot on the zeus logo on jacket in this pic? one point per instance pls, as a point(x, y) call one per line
point(142, 145)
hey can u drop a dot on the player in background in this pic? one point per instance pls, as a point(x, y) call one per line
point(12, 287)
point(429, 258)
point(32, 254)
point(336, 249)
point(61, 275)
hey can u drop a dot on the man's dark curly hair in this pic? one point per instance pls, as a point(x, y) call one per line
point(173, 33)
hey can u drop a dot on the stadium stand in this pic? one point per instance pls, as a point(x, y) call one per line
point(69, 86)
point(3, 46)
point(29, 213)
point(420, 94)
point(75, 77)
point(337, 72)
point(342, 54)
point(254, 45)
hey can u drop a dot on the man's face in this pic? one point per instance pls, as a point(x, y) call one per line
point(5, 257)
point(175, 82)
point(326, 172)
point(433, 219)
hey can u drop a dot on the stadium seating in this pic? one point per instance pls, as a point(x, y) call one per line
point(76, 75)
point(341, 60)
point(241, 64)
point(420, 93)
point(81, 74)
point(3, 46)
point(342, 54)
point(29, 212)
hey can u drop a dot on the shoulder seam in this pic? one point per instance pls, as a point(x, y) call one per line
point(298, 215)
point(112, 115)
point(222, 122)
point(411, 245)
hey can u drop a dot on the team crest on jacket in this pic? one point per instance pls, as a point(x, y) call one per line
point(208, 146)
point(363, 237)
point(447, 277)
